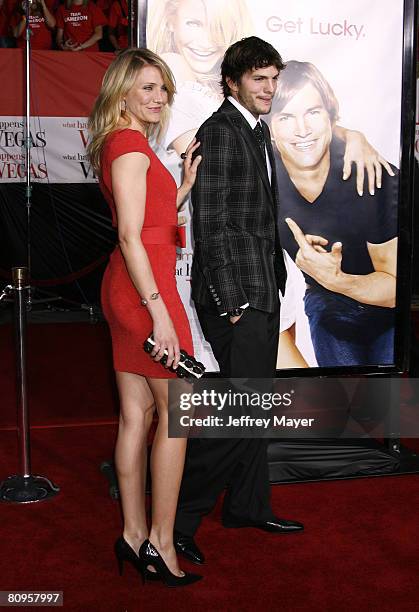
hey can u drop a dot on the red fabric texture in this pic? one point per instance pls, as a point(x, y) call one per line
point(129, 322)
point(63, 389)
point(79, 22)
point(118, 19)
point(104, 5)
point(63, 84)
point(358, 551)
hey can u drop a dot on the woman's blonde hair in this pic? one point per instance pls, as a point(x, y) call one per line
point(118, 80)
point(228, 22)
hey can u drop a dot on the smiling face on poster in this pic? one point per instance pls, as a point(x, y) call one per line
point(361, 73)
point(303, 130)
point(196, 33)
point(194, 39)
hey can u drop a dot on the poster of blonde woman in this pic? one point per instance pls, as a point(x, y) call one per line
point(336, 164)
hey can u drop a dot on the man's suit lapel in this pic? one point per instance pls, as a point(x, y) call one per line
point(245, 131)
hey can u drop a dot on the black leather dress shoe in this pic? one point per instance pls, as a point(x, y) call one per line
point(185, 545)
point(275, 525)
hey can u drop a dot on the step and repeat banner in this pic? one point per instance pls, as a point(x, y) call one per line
point(350, 48)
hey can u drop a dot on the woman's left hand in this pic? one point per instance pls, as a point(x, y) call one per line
point(181, 218)
point(190, 167)
point(359, 151)
point(189, 172)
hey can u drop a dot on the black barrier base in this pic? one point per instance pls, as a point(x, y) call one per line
point(312, 460)
point(27, 489)
point(292, 461)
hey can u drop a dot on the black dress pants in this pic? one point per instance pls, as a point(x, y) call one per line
point(247, 349)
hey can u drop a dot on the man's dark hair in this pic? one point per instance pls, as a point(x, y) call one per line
point(245, 55)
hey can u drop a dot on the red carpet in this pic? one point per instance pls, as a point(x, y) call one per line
point(359, 550)
point(70, 376)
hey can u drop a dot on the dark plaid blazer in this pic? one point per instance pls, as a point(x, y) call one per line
point(237, 255)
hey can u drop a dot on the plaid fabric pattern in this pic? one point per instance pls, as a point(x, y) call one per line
point(237, 255)
point(260, 137)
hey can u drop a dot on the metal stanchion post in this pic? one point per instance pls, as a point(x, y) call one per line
point(25, 487)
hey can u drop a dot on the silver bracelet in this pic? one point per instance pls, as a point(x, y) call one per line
point(153, 296)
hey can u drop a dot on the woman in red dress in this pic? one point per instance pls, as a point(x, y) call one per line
point(139, 295)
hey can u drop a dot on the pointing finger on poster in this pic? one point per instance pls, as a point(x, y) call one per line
point(298, 234)
point(306, 242)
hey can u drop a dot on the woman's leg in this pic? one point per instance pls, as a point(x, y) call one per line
point(136, 414)
point(167, 461)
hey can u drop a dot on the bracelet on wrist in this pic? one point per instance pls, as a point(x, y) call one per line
point(153, 296)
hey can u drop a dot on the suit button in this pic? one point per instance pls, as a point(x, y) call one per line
point(218, 302)
point(274, 253)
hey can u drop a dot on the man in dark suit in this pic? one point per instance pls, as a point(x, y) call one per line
point(237, 270)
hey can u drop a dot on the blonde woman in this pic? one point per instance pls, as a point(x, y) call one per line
point(139, 295)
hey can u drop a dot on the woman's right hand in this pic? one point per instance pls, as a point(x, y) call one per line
point(165, 338)
point(189, 171)
point(190, 166)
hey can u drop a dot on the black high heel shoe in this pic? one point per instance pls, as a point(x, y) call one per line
point(149, 555)
point(124, 552)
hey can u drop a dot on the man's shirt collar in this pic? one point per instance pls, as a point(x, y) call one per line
point(246, 113)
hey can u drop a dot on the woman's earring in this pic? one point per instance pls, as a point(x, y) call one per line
point(123, 106)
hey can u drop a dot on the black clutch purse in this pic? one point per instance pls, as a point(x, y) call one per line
point(188, 365)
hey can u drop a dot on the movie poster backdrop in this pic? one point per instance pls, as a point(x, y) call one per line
point(347, 46)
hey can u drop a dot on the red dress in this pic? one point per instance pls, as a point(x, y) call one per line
point(130, 322)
